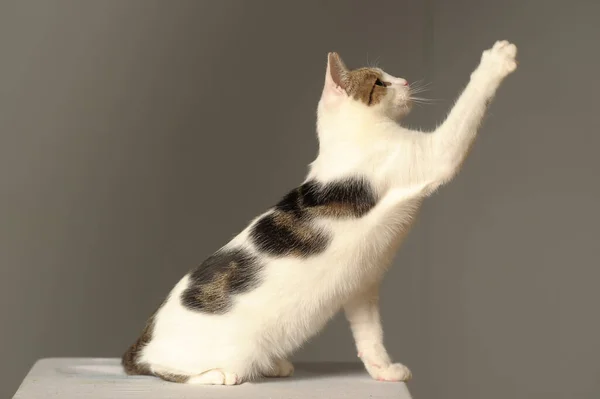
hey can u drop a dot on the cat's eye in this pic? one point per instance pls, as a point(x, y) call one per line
point(378, 82)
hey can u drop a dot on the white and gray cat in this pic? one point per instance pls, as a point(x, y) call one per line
point(325, 246)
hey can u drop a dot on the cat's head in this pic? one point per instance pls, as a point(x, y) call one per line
point(371, 89)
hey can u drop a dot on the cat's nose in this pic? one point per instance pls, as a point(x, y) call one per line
point(402, 82)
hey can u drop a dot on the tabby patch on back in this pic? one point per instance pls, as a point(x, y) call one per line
point(289, 229)
point(219, 278)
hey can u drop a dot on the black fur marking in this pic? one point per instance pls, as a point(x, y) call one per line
point(220, 277)
point(344, 198)
point(292, 203)
point(288, 230)
point(281, 234)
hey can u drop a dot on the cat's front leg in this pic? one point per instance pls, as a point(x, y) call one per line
point(362, 312)
point(451, 142)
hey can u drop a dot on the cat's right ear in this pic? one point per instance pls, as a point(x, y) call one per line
point(335, 77)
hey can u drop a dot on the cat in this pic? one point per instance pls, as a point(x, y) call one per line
point(325, 246)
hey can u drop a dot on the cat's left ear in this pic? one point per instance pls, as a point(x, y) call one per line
point(335, 77)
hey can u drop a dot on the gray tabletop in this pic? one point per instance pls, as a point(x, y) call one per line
point(104, 379)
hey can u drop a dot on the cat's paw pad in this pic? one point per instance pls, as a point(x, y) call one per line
point(281, 368)
point(394, 372)
point(232, 379)
point(216, 377)
point(500, 60)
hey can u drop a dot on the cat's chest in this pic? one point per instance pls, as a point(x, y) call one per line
point(376, 236)
point(388, 225)
point(396, 210)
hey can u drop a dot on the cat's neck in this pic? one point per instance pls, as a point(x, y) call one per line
point(351, 147)
point(349, 128)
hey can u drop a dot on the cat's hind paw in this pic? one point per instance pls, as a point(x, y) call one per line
point(280, 368)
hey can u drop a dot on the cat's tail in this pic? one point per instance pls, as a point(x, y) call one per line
point(132, 365)
point(130, 359)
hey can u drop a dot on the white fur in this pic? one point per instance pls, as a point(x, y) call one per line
point(298, 296)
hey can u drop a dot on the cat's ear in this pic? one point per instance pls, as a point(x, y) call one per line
point(335, 77)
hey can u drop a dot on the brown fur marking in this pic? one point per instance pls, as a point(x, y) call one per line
point(361, 86)
point(214, 283)
point(352, 198)
point(306, 235)
point(360, 83)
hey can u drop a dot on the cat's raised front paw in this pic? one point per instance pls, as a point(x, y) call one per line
point(394, 372)
point(499, 61)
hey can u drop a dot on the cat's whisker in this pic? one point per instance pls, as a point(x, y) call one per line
point(420, 82)
point(420, 85)
point(422, 100)
point(414, 93)
point(418, 90)
point(376, 63)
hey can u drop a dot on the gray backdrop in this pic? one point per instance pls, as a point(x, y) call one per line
point(138, 136)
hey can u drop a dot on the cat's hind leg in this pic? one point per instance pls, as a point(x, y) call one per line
point(280, 368)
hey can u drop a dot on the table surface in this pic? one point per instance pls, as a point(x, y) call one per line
point(104, 379)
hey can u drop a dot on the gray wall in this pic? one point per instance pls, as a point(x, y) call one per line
point(130, 130)
point(513, 265)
